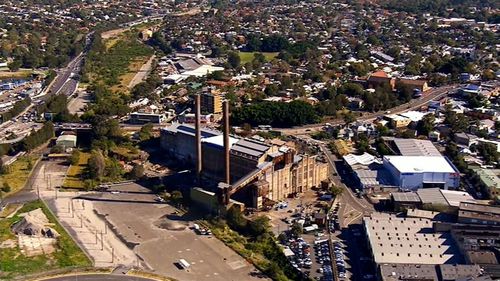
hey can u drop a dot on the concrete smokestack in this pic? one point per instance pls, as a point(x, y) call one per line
point(227, 172)
point(198, 137)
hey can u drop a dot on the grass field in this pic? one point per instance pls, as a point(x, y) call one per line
point(18, 172)
point(14, 264)
point(75, 172)
point(248, 56)
point(16, 74)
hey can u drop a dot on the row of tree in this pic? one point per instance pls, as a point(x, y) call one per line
point(37, 138)
point(278, 114)
point(18, 107)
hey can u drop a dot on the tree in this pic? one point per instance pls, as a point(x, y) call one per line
point(6, 187)
point(137, 172)
point(14, 65)
point(235, 219)
point(96, 165)
point(336, 190)
point(349, 117)
point(234, 60)
point(176, 197)
point(146, 132)
point(426, 124)
point(259, 226)
point(296, 229)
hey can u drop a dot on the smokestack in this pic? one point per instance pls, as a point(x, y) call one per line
point(198, 137)
point(225, 109)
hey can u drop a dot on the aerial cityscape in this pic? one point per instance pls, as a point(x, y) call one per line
point(250, 140)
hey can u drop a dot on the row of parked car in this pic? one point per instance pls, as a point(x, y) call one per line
point(322, 251)
point(338, 251)
point(302, 251)
point(333, 219)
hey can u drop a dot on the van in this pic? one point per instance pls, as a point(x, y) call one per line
point(183, 263)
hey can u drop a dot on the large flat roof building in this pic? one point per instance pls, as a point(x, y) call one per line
point(408, 240)
point(413, 172)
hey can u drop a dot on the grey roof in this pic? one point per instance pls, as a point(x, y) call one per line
point(431, 196)
point(455, 271)
point(405, 197)
point(250, 147)
point(373, 177)
point(392, 271)
point(408, 240)
point(188, 64)
point(465, 206)
point(413, 147)
point(190, 130)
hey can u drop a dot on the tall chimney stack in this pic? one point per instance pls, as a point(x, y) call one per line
point(227, 173)
point(198, 137)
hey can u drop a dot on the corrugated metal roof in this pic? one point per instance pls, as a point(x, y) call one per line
point(405, 197)
point(412, 147)
point(431, 196)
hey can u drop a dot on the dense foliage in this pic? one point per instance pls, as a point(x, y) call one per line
point(443, 7)
point(278, 114)
point(18, 107)
point(37, 138)
point(261, 241)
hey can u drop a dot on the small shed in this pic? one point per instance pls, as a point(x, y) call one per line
point(66, 140)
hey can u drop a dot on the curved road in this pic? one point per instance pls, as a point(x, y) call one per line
point(98, 277)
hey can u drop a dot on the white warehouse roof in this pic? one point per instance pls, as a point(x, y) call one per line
point(420, 164)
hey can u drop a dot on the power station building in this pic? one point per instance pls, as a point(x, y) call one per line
point(260, 173)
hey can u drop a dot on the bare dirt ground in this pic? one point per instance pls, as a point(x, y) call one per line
point(80, 220)
point(113, 33)
point(34, 246)
point(142, 73)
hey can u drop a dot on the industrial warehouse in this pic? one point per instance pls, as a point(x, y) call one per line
point(255, 173)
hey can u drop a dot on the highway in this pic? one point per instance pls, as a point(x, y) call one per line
point(62, 84)
point(433, 94)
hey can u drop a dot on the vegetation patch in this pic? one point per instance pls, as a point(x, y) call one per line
point(250, 56)
point(112, 66)
point(20, 74)
point(16, 174)
point(75, 176)
point(13, 263)
point(254, 241)
point(133, 68)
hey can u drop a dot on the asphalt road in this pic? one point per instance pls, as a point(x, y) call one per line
point(64, 75)
point(98, 277)
point(433, 94)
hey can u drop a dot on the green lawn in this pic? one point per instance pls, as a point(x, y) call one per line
point(17, 173)
point(13, 263)
point(248, 56)
point(75, 172)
